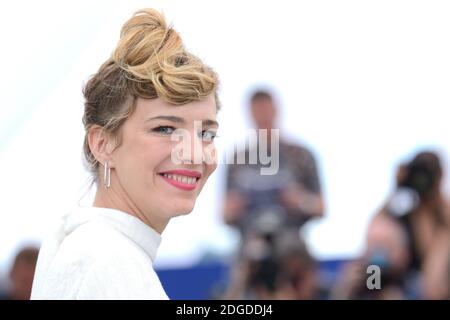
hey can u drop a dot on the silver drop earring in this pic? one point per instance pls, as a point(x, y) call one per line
point(107, 176)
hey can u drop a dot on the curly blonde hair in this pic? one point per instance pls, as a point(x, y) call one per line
point(150, 61)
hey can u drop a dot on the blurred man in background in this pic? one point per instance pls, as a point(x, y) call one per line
point(293, 194)
point(264, 207)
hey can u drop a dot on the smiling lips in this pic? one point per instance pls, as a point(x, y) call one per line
point(182, 179)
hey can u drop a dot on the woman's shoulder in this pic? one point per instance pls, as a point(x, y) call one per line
point(95, 261)
point(96, 241)
point(107, 233)
point(117, 267)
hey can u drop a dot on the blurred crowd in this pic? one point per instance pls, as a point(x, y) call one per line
point(407, 251)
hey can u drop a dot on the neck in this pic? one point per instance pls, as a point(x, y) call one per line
point(115, 197)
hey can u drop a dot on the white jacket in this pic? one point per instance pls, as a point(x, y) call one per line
point(98, 253)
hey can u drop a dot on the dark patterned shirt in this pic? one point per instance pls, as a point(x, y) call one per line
point(296, 165)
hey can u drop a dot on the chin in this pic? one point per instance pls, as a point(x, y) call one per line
point(182, 208)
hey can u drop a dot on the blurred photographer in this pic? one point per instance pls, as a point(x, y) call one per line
point(291, 196)
point(409, 238)
point(261, 207)
point(274, 265)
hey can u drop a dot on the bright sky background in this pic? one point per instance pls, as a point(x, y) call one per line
point(364, 84)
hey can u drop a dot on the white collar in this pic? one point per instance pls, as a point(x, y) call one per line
point(130, 226)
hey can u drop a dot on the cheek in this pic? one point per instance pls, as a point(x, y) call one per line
point(210, 154)
point(209, 169)
point(142, 161)
point(153, 154)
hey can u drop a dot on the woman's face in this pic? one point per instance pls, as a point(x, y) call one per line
point(153, 169)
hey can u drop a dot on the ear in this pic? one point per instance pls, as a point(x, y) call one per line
point(101, 144)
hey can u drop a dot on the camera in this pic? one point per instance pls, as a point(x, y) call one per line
point(416, 183)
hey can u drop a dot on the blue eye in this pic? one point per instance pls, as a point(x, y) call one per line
point(164, 129)
point(208, 135)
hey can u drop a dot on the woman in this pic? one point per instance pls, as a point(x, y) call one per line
point(149, 91)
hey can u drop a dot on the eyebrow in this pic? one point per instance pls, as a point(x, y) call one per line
point(207, 122)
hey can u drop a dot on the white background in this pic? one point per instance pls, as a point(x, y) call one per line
point(364, 84)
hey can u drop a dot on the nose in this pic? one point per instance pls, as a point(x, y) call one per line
point(190, 148)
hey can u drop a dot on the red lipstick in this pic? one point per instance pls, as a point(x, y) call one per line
point(182, 179)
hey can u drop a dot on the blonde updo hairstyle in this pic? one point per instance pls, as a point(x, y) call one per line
point(149, 62)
